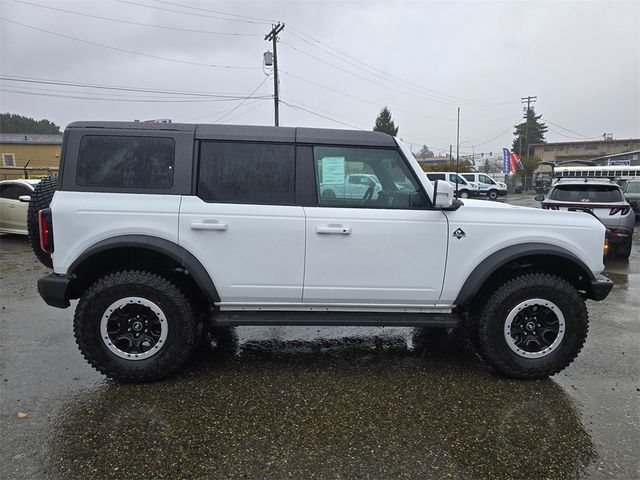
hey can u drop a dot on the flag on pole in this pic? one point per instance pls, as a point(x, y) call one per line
point(516, 162)
point(506, 163)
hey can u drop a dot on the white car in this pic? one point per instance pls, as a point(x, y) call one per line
point(486, 185)
point(160, 244)
point(13, 211)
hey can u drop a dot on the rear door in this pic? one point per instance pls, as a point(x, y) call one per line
point(386, 248)
point(243, 225)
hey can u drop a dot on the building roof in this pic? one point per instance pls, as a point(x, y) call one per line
point(32, 138)
point(582, 142)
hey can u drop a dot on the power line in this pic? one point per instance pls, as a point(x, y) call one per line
point(157, 57)
point(128, 22)
point(13, 78)
point(377, 104)
point(251, 109)
point(107, 99)
point(200, 15)
point(242, 102)
point(570, 131)
point(389, 87)
point(245, 17)
point(296, 107)
point(382, 72)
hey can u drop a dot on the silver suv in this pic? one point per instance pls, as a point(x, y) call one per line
point(601, 197)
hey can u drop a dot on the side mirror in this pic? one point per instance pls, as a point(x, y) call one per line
point(443, 194)
point(539, 198)
point(24, 198)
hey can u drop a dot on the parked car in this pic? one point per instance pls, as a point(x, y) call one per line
point(13, 210)
point(604, 199)
point(486, 185)
point(465, 188)
point(166, 231)
point(632, 195)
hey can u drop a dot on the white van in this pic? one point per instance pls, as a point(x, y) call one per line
point(466, 189)
point(486, 185)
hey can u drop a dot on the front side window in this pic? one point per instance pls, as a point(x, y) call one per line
point(255, 173)
point(13, 191)
point(126, 162)
point(486, 179)
point(457, 179)
point(365, 177)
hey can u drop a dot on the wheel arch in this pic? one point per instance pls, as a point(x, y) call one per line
point(523, 258)
point(139, 252)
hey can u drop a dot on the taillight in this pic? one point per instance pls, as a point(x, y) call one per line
point(623, 210)
point(46, 233)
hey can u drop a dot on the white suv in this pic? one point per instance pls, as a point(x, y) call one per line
point(163, 231)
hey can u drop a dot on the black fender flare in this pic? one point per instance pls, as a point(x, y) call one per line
point(497, 259)
point(166, 247)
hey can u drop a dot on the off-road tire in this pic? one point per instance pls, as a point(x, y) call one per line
point(492, 195)
point(181, 320)
point(490, 329)
point(40, 198)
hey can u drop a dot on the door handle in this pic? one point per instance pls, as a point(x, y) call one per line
point(333, 229)
point(11, 205)
point(208, 226)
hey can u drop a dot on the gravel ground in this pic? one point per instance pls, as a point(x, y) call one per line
point(302, 402)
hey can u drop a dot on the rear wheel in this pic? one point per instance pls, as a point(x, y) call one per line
point(40, 198)
point(533, 326)
point(463, 194)
point(135, 326)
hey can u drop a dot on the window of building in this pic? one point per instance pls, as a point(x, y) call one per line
point(8, 160)
point(591, 146)
point(126, 162)
point(256, 173)
point(365, 177)
point(549, 148)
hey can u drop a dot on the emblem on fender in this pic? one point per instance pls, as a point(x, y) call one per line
point(459, 233)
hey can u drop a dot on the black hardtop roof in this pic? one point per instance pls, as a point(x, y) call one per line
point(256, 133)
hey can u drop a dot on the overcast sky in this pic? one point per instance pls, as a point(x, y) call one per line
point(339, 61)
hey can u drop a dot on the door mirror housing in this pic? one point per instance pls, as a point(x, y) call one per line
point(24, 198)
point(539, 198)
point(443, 194)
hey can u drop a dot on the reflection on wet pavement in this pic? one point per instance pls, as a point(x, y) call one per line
point(304, 403)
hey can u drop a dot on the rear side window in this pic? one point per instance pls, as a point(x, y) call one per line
point(126, 162)
point(12, 191)
point(258, 173)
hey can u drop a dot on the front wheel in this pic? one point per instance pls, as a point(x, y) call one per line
point(135, 326)
point(533, 326)
point(492, 194)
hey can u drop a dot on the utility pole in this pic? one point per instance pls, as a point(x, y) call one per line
point(273, 36)
point(529, 100)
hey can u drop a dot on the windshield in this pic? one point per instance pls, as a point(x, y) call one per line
point(586, 193)
point(633, 187)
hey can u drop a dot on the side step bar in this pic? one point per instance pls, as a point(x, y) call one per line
point(233, 319)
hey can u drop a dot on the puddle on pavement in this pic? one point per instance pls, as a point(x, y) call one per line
point(324, 402)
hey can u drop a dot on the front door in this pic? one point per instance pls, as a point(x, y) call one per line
point(385, 248)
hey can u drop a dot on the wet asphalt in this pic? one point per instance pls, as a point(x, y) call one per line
point(309, 402)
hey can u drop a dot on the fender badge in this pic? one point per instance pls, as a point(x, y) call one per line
point(459, 233)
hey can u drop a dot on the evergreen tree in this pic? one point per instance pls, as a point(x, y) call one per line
point(385, 124)
point(14, 123)
point(426, 152)
point(530, 131)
